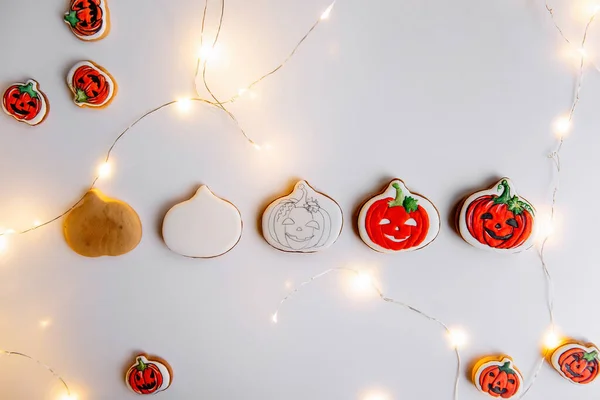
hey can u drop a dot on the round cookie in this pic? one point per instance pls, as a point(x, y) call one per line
point(26, 103)
point(204, 226)
point(91, 85)
point(577, 362)
point(497, 377)
point(148, 376)
point(101, 226)
point(305, 221)
point(497, 219)
point(89, 20)
point(397, 220)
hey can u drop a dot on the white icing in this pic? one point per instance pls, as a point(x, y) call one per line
point(111, 88)
point(161, 367)
point(564, 348)
point(204, 226)
point(103, 28)
point(432, 213)
point(464, 230)
point(305, 221)
point(43, 109)
point(499, 364)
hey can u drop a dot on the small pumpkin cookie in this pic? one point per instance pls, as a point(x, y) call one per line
point(89, 20)
point(576, 362)
point(497, 376)
point(26, 103)
point(148, 376)
point(204, 226)
point(92, 85)
point(397, 220)
point(305, 221)
point(497, 219)
point(102, 226)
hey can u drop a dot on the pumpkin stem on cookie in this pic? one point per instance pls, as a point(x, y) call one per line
point(29, 90)
point(80, 96)
point(409, 203)
point(516, 205)
point(589, 357)
point(141, 366)
point(506, 368)
point(72, 19)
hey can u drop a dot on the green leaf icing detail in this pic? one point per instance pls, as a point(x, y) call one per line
point(506, 368)
point(514, 203)
point(80, 96)
point(589, 357)
point(409, 203)
point(71, 18)
point(29, 90)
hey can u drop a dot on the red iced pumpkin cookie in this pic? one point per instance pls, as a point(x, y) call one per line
point(92, 85)
point(576, 362)
point(88, 19)
point(25, 102)
point(497, 376)
point(148, 376)
point(497, 219)
point(397, 220)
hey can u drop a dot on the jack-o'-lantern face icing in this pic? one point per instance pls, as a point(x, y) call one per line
point(498, 377)
point(497, 219)
point(148, 376)
point(305, 221)
point(25, 102)
point(576, 362)
point(398, 220)
point(92, 85)
point(88, 19)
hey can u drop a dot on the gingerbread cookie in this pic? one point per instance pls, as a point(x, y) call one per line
point(497, 219)
point(498, 377)
point(25, 102)
point(101, 226)
point(204, 226)
point(576, 362)
point(89, 20)
point(148, 376)
point(397, 220)
point(92, 85)
point(305, 221)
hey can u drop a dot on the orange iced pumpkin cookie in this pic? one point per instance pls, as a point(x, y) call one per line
point(497, 377)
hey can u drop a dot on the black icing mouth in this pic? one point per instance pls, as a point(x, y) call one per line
point(497, 390)
point(17, 111)
point(494, 236)
point(147, 386)
point(569, 370)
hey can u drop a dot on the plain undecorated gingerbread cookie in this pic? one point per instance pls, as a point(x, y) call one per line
point(102, 226)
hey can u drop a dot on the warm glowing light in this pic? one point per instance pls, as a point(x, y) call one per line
point(256, 146)
point(3, 244)
point(9, 232)
point(184, 105)
point(551, 339)
point(68, 397)
point(104, 170)
point(45, 323)
point(205, 52)
point(288, 284)
point(242, 91)
point(362, 282)
point(37, 223)
point(274, 318)
point(375, 395)
point(327, 12)
point(583, 52)
point(457, 337)
point(562, 126)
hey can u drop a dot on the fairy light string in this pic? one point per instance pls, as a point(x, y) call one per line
point(41, 364)
point(371, 283)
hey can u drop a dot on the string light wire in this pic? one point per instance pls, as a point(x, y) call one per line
point(41, 364)
point(383, 297)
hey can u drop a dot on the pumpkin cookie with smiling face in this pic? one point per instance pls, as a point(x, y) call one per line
point(497, 377)
point(397, 220)
point(497, 219)
point(305, 221)
point(148, 376)
point(576, 362)
point(89, 20)
point(92, 86)
point(26, 103)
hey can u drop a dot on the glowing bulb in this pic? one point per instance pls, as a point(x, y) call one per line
point(184, 105)
point(3, 244)
point(583, 52)
point(44, 323)
point(256, 146)
point(10, 232)
point(362, 282)
point(274, 318)
point(242, 91)
point(205, 52)
point(37, 223)
point(327, 12)
point(288, 284)
point(68, 397)
point(104, 170)
point(551, 339)
point(596, 9)
point(562, 126)
point(457, 337)
point(375, 395)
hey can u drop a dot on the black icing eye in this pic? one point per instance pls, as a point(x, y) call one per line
point(492, 374)
point(512, 222)
point(137, 377)
point(511, 381)
point(31, 104)
point(487, 216)
point(151, 374)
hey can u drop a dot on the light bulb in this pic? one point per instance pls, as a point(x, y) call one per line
point(583, 52)
point(288, 284)
point(256, 146)
point(375, 395)
point(68, 397)
point(37, 223)
point(104, 170)
point(362, 282)
point(551, 339)
point(562, 126)
point(274, 318)
point(44, 323)
point(457, 337)
point(327, 12)
point(184, 104)
point(242, 91)
point(205, 52)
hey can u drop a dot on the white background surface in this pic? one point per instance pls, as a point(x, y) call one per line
point(445, 95)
